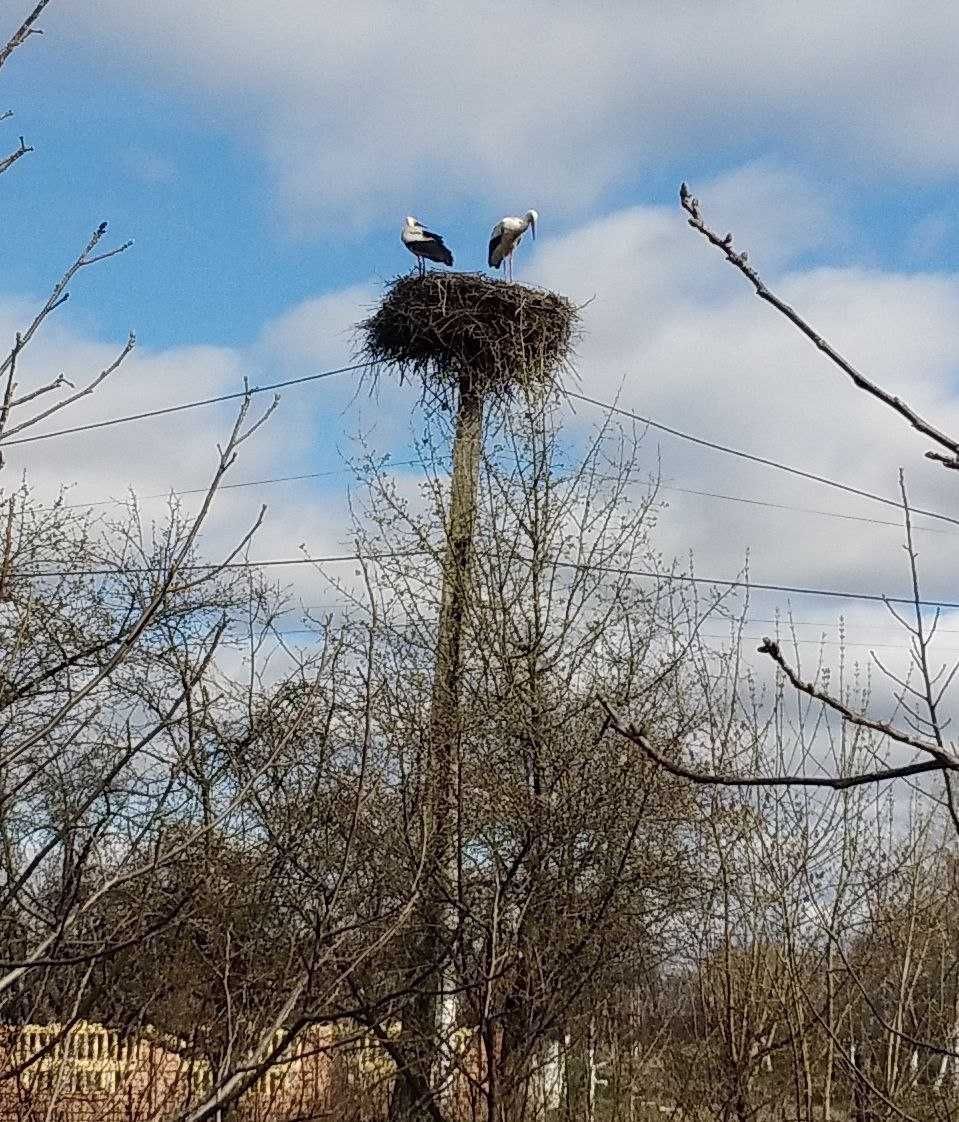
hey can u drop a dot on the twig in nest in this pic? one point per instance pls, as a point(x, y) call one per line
point(445, 327)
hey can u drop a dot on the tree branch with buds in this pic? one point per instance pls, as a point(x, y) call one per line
point(639, 736)
point(739, 260)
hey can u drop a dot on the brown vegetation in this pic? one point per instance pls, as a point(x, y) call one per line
point(442, 327)
point(415, 855)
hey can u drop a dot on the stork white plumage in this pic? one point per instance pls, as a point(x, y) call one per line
point(506, 236)
point(424, 244)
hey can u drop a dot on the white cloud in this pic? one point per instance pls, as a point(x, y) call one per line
point(151, 168)
point(146, 455)
point(315, 335)
point(313, 428)
point(782, 213)
point(317, 332)
point(678, 334)
point(362, 107)
point(674, 330)
point(150, 456)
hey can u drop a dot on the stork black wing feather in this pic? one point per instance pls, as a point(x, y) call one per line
point(493, 246)
point(433, 248)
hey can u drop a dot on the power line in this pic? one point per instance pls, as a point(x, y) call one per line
point(413, 463)
point(751, 586)
point(753, 458)
point(802, 509)
point(232, 486)
point(830, 643)
point(793, 590)
point(231, 565)
point(755, 586)
point(678, 433)
point(785, 623)
point(709, 635)
point(186, 405)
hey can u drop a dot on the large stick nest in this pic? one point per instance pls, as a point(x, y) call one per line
point(457, 330)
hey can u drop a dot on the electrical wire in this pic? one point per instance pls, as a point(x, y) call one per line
point(753, 458)
point(803, 509)
point(785, 623)
point(709, 635)
point(234, 486)
point(185, 405)
point(766, 503)
point(608, 406)
point(684, 578)
point(726, 449)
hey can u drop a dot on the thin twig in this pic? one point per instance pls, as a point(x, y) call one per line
point(6, 564)
point(163, 591)
point(59, 295)
point(60, 380)
point(23, 32)
point(21, 150)
point(739, 261)
point(640, 738)
point(943, 758)
point(87, 389)
point(921, 651)
point(11, 385)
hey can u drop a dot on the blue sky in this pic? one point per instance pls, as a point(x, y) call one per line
point(188, 175)
point(263, 164)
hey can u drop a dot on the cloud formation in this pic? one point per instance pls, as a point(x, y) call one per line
point(675, 333)
point(671, 330)
point(360, 108)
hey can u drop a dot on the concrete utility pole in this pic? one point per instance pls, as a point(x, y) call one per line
point(433, 1014)
point(472, 341)
point(439, 1003)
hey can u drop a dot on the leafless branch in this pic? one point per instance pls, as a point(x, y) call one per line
point(942, 758)
point(57, 382)
point(109, 949)
point(640, 738)
point(227, 458)
point(6, 564)
point(18, 153)
point(23, 33)
point(738, 259)
point(922, 636)
point(11, 385)
point(59, 294)
point(84, 392)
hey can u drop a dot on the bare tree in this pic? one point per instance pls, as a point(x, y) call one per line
point(920, 705)
point(146, 792)
point(571, 864)
point(862, 996)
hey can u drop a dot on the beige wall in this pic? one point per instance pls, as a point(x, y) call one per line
point(92, 1073)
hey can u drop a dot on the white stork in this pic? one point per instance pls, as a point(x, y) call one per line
point(506, 237)
point(424, 244)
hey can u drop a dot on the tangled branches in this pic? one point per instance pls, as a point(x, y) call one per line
point(445, 327)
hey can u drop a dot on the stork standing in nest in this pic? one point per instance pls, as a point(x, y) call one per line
point(506, 236)
point(424, 244)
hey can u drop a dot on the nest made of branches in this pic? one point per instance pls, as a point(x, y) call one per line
point(453, 331)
